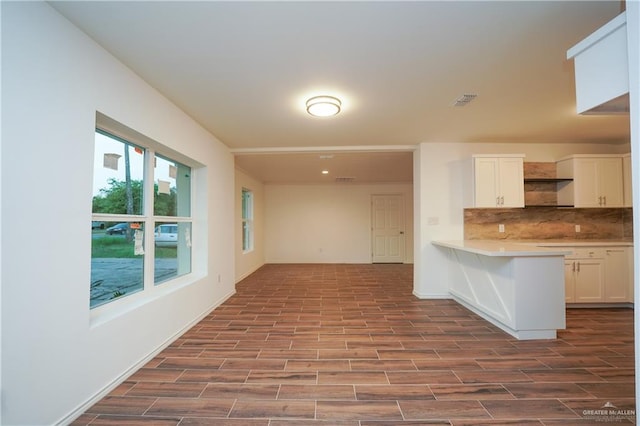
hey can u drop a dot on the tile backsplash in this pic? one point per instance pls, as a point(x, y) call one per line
point(546, 223)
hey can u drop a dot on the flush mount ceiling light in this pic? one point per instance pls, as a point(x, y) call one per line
point(323, 106)
point(464, 99)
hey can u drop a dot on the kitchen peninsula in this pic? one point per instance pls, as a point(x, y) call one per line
point(517, 287)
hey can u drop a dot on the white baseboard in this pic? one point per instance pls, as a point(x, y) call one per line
point(431, 295)
point(127, 373)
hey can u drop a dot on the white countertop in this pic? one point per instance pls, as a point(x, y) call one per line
point(502, 248)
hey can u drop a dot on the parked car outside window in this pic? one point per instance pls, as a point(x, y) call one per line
point(119, 229)
point(166, 235)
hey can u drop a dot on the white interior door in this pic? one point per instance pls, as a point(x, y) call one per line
point(387, 228)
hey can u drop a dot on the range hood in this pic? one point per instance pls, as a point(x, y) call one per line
point(602, 69)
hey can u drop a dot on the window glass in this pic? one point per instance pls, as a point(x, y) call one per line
point(172, 194)
point(117, 262)
point(172, 250)
point(247, 220)
point(118, 176)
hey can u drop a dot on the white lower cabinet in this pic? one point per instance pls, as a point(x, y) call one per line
point(584, 278)
point(599, 275)
point(617, 277)
point(569, 281)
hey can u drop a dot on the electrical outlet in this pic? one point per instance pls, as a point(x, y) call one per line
point(501, 227)
point(577, 228)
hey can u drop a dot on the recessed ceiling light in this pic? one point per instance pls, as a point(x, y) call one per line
point(323, 106)
point(325, 172)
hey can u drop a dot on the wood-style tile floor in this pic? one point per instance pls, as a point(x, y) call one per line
point(350, 345)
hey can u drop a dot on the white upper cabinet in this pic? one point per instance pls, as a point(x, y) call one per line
point(498, 181)
point(597, 181)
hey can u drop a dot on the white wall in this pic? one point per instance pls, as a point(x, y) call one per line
point(442, 180)
point(246, 263)
point(0, 229)
point(55, 356)
point(326, 223)
point(633, 47)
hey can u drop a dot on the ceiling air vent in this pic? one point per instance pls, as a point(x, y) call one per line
point(464, 99)
point(345, 179)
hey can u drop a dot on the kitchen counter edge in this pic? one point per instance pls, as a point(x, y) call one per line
point(496, 248)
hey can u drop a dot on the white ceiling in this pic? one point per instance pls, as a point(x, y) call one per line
point(343, 167)
point(244, 69)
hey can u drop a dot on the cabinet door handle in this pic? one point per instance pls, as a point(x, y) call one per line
point(502, 200)
point(578, 266)
point(574, 267)
point(604, 200)
point(497, 201)
point(600, 200)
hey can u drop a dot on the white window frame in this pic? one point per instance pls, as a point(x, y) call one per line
point(148, 218)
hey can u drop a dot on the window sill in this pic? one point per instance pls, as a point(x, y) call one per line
point(103, 314)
